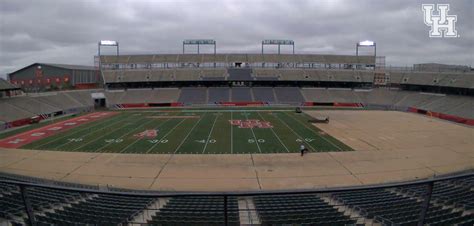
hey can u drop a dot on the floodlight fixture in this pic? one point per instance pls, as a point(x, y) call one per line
point(366, 43)
point(278, 42)
point(199, 42)
point(108, 43)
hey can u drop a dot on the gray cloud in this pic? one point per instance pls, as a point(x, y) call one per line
point(68, 31)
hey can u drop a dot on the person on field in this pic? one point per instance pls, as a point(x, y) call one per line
point(303, 149)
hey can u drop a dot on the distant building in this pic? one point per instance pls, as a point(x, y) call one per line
point(48, 77)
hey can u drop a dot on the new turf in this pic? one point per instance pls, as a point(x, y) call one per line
point(196, 132)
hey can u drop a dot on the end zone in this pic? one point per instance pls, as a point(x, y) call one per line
point(21, 139)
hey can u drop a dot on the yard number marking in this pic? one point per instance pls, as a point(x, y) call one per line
point(114, 140)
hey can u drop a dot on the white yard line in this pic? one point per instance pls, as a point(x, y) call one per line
point(254, 137)
point(57, 147)
point(231, 134)
point(171, 130)
point(126, 134)
point(210, 132)
point(281, 142)
point(340, 149)
point(302, 139)
point(66, 135)
point(105, 134)
point(134, 142)
point(182, 142)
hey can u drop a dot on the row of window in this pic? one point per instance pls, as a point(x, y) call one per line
point(39, 81)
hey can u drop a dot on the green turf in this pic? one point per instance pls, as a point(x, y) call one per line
point(202, 132)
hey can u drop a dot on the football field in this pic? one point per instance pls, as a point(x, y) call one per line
point(194, 132)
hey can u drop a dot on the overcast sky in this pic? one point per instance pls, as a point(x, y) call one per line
point(67, 31)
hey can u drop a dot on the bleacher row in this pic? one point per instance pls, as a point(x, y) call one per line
point(462, 106)
point(452, 203)
point(231, 58)
point(16, 108)
point(22, 107)
point(156, 75)
point(445, 79)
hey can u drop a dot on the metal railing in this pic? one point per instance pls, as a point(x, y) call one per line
point(29, 210)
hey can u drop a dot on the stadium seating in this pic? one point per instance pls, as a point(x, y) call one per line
point(291, 75)
point(288, 95)
point(241, 94)
point(240, 74)
point(10, 112)
point(451, 193)
point(377, 96)
point(59, 100)
point(164, 95)
point(213, 74)
point(190, 95)
point(22, 107)
point(414, 99)
point(265, 94)
point(218, 94)
point(97, 209)
point(231, 58)
point(196, 211)
point(32, 105)
point(452, 203)
point(330, 95)
point(110, 76)
point(82, 96)
point(399, 208)
point(161, 75)
point(187, 75)
point(266, 74)
point(136, 96)
point(341, 76)
point(298, 209)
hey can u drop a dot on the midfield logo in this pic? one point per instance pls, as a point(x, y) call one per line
point(442, 25)
point(251, 123)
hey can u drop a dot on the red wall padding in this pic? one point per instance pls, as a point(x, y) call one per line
point(452, 118)
point(256, 103)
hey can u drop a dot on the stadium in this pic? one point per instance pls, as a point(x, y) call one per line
point(207, 114)
point(214, 139)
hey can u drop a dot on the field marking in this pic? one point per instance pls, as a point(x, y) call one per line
point(62, 137)
point(81, 130)
point(171, 130)
point(254, 137)
point(231, 135)
point(281, 142)
point(87, 143)
point(134, 142)
point(294, 132)
point(209, 136)
point(316, 133)
point(141, 125)
point(185, 138)
point(82, 137)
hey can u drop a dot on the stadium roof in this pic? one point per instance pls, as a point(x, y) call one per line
point(65, 66)
point(5, 85)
